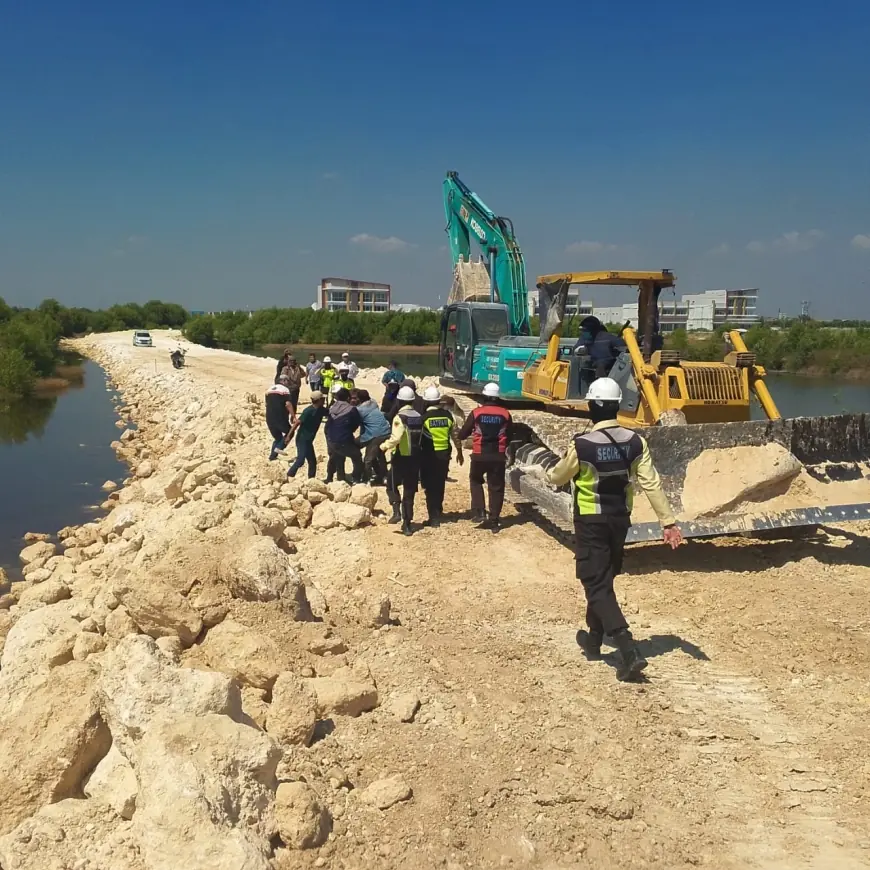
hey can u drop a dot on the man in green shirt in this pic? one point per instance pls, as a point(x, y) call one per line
point(306, 427)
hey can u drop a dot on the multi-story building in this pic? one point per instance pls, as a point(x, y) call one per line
point(574, 305)
point(346, 294)
point(694, 312)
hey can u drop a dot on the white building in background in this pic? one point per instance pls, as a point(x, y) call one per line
point(347, 294)
point(694, 312)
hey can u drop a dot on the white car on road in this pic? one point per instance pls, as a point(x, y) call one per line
point(141, 338)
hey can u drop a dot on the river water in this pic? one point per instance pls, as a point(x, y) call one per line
point(54, 457)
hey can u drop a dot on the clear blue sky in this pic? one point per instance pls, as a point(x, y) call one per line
point(226, 154)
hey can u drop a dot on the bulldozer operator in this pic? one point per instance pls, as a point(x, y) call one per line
point(599, 350)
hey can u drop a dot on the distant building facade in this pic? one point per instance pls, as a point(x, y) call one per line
point(346, 294)
point(694, 312)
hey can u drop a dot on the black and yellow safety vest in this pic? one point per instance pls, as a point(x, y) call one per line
point(607, 457)
point(411, 437)
point(437, 428)
point(346, 384)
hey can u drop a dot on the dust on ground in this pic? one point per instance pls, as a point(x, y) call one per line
point(745, 748)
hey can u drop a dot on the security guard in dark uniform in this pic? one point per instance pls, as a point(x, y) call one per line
point(600, 465)
point(403, 446)
point(439, 430)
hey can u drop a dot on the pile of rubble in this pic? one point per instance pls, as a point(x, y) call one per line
point(164, 668)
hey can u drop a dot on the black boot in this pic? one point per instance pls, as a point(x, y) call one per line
point(590, 643)
point(434, 521)
point(407, 530)
point(478, 514)
point(632, 661)
point(491, 523)
point(396, 517)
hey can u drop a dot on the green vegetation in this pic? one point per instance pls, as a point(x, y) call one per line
point(801, 347)
point(306, 326)
point(29, 337)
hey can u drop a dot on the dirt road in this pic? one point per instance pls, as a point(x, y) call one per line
point(745, 747)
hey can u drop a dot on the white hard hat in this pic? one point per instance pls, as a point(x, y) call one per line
point(406, 394)
point(491, 390)
point(604, 390)
point(432, 394)
point(346, 354)
point(327, 359)
point(336, 388)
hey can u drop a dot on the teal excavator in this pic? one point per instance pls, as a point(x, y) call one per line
point(684, 408)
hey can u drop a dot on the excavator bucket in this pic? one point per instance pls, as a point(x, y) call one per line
point(732, 478)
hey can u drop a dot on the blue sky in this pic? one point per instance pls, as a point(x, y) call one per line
point(224, 154)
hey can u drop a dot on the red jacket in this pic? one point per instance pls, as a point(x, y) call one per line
point(490, 428)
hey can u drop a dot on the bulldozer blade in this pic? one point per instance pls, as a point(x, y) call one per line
point(830, 448)
point(740, 524)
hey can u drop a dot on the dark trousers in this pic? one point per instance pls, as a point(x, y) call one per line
point(374, 460)
point(599, 546)
point(493, 469)
point(337, 455)
point(279, 435)
point(404, 473)
point(294, 397)
point(433, 477)
point(304, 453)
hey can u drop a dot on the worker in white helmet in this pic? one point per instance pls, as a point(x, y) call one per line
point(352, 367)
point(490, 427)
point(439, 432)
point(328, 376)
point(403, 446)
point(600, 465)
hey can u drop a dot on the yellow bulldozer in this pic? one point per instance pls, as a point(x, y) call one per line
point(723, 472)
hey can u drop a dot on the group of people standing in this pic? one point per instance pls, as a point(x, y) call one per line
point(404, 443)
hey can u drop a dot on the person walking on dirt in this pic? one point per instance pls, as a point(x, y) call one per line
point(306, 427)
point(403, 446)
point(312, 373)
point(291, 376)
point(490, 427)
point(600, 465)
point(439, 431)
point(374, 430)
point(342, 421)
point(280, 415)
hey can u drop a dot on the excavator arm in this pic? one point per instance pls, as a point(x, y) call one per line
point(468, 217)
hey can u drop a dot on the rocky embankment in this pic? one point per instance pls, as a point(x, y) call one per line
point(166, 667)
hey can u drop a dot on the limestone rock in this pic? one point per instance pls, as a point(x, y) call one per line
point(346, 692)
point(72, 834)
point(5, 583)
point(315, 497)
point(127, 435)
point(313, 484)
point(49, 592)
point(384, 793)
point(303, 510)
point(365, 496)
point(324, 516)
point(38, 641)
point(254, 705)
point(212, 604)
point(40, 550)
point(156, 607)
point(33, 537)
point(139, 682)
point(320, 640)
point(379, 611)
point(207, 515)
point(171, 647)
point(53, 736)
point(404, 705)
point(248, 656)
point(205, 790)
point(113, 783)
point(257, 570)
point(174, 489)
point(302, 822)
point(40, 575)
point(87, 644)
point(109, 486)
point(351, 516)
point(293, 712)
point(119, 624)
point(145, 469)
point(339, 490)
